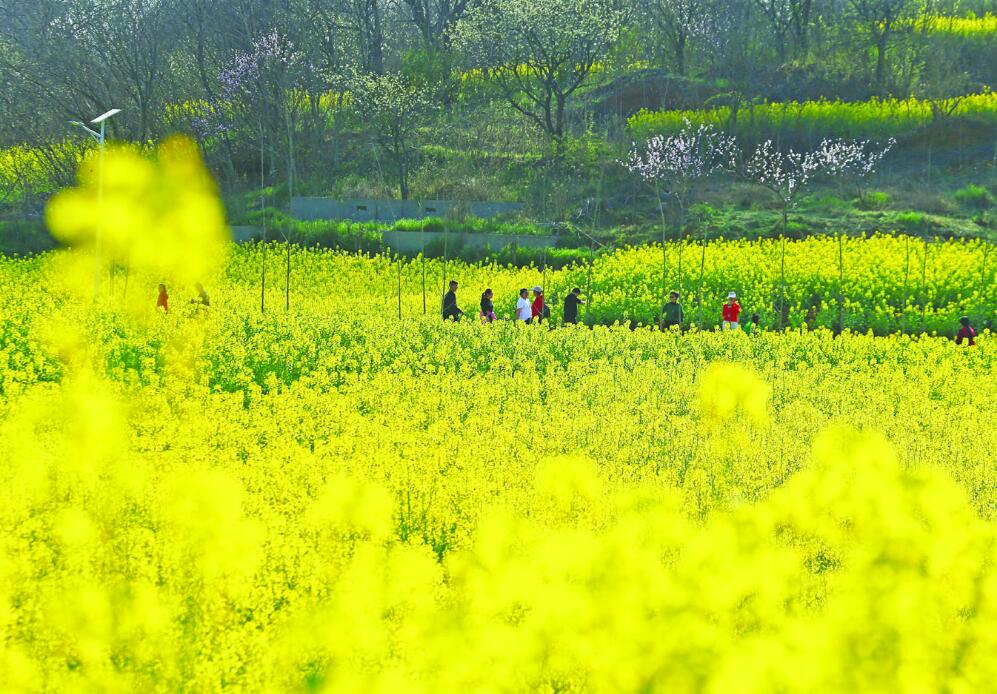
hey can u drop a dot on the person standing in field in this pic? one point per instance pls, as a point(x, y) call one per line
point(164, 299)
point(202, 296)
point(487, 314)
point(731, 311)
point(671, 313)
point(751, 327)
point(571, 303)
point(450, 309)
point(524, 310)
point(537, 309)
point(966, 332)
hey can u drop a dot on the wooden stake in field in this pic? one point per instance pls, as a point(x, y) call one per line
point(924, 284)
point(445, 285)
point(983, 283)
point(287, 277)
point(782, 286)
point(903, 308)
point(588, 282)
point(398, 259)
point(263, 214)
point(543, 281)
point(594, 222)
point(422, 257)
point(841, 282)
point(681, 279)
point(699, 292)
point(664, 254)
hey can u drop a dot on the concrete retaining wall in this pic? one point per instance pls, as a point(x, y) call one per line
point(242, 234)
point(393, 210)
point(412, 241)
point(415, 241)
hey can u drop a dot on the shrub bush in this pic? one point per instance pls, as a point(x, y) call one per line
point(914, 222)
point(874, 200)
point(826, 202)
point(974, 196)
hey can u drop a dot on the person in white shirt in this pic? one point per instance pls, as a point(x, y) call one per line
point(524, 309)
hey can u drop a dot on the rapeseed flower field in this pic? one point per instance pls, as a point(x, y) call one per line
point(877, 118)
point(333, 499)
point(882, 283)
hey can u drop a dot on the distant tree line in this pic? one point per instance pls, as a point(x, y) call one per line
point(277, 89)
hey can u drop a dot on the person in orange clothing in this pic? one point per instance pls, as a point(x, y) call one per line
point(164, 299)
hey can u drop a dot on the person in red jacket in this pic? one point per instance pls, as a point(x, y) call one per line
point(538, 304)
point(731, 311)
point(966, 332)
point(164, 299)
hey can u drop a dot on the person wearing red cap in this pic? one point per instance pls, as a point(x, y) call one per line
point(731, 311)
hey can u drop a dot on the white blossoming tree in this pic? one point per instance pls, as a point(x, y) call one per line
point(787, 173)
point(674, 164)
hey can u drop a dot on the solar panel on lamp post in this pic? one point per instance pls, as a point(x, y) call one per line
point(99, 136)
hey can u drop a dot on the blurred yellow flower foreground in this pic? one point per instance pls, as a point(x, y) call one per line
point(379, 528)
point(160, 215)
point(334, 500)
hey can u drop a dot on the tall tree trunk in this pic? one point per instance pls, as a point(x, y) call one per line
point(290, 155)
point(403, 190)
point(664, 258)
point(559, 115)
point(202, 71)
point(881, 44)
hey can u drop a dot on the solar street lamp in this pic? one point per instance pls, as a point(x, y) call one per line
point(98, 135)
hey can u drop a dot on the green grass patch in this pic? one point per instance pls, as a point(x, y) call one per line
point(977, 197)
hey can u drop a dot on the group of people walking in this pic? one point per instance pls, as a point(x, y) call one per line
point(527, 311)
point(537, 310)
point(672, 315)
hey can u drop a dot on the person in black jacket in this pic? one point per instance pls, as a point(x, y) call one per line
point(571, 303)
point(450, 310)
point(487, 314)
point(671, 313)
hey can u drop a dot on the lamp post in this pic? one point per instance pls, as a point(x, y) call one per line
point(99, 137)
